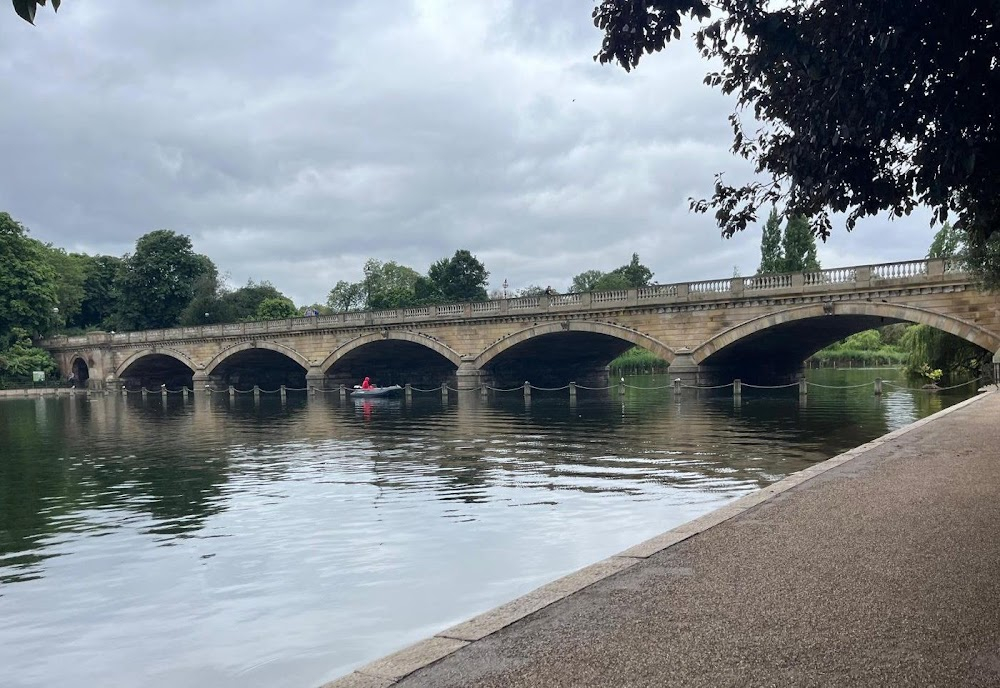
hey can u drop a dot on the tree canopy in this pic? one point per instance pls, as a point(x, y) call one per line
point(157, 280)
point(459, 278)
point(99, 296)
point(346, 296)
point(276, 308)
point(388, 285)
point(632, 274)
point(586, 281)
point(947, 243)
point(798, 246)
point(771, 257)
point(863, 107)
point(790, 250)
point(391, 285)
point(28, 284)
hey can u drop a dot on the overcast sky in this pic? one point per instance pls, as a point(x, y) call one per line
point(293, 140)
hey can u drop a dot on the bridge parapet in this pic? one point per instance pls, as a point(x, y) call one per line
point(879, 276)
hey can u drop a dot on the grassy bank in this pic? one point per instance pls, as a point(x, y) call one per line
point(840, 358)
point(637, 361)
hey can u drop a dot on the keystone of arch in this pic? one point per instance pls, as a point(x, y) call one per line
point(172, 353)
point(246, 346)
point(402, 336)
point(654, 346)
point(921, 316)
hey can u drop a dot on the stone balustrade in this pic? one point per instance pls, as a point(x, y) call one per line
point(770, 286)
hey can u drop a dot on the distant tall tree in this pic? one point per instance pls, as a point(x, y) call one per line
point(346, 296)
point(611, 281)
point(460, 278)
point(632, 274)
point(208, 302)
point(798, 246)
point(70, 268)
point(529, 290)
point(635, 273)
point(242, 303)
point(425, 291)
point(948, 242)
point(388, 285)
point(28, 290)
point(586, 281)
point(157, 281)
point(772, 260)
point(276, 309)
point(99, 296)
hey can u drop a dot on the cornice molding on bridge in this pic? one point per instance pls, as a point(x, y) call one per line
point(539, 318)
point(890, 279)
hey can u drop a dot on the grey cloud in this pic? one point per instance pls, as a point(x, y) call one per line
point(291, 144)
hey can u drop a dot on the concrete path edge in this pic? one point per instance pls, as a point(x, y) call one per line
point(385, 672)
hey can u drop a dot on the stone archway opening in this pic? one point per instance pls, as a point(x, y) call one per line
point(155, 370)
point(80, 372)
point(555, 359)
point(265, 368)
point(392, 362)
point(776, 354)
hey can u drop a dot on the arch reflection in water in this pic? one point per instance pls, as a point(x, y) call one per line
point(232, 541)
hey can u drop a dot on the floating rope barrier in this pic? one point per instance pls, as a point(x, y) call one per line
point(863, 384)
point(934, 388)
point(232, 391)
point(751, 386)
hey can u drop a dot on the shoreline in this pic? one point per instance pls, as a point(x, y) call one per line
point(388, 670)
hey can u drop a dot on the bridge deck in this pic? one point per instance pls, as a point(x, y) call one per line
point(878, 571)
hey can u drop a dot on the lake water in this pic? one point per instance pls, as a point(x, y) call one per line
point(216, 542)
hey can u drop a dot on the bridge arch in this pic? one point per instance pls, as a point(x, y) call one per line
point(79, 368)
point(122, 368)
point(626, 334)
point(896, 312)
point(391, 335)
point(231, 351)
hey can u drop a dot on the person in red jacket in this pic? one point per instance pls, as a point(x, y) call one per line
point(366, 384)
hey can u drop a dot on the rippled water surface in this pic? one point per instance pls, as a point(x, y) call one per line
point(210, 542)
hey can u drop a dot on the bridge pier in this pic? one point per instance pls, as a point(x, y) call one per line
point(996, 368)
point(200, 380)
point(468, 377)
point(315, 378)
point(684, 368)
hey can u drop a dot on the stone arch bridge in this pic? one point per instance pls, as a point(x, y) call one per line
point(759, 329)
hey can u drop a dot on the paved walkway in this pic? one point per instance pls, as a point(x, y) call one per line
point(878, 568)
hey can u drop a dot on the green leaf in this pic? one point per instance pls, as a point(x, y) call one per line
point(26, 9)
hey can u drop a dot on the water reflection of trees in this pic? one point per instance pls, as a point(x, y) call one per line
point(175, 463)
point(80, 457)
